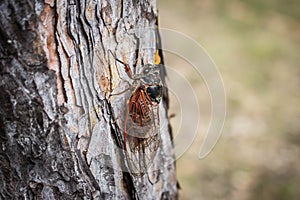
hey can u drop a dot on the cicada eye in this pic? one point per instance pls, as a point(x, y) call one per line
point(154, 92)
point(146, 70)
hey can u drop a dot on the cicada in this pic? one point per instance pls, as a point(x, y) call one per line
point(139, 120)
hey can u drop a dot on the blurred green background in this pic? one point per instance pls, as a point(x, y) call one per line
point(256, 46)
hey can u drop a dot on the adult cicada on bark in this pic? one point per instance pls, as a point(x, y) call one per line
point(139, 119)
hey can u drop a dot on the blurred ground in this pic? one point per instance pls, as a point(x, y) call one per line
point(256, 46)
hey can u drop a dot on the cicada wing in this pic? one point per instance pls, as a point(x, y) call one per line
point(142, 116)
point(140, 124)
point(140, 153)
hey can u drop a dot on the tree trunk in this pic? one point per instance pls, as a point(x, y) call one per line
point(64, 96)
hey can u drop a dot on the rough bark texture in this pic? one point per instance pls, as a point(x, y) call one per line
point(58, 133)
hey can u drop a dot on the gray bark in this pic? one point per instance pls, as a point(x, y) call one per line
point(59, 131)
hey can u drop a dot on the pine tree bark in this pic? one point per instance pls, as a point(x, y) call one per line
point(59, 136)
